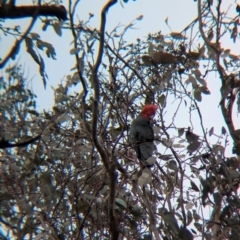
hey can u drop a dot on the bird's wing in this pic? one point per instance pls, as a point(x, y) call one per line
point(141, 136)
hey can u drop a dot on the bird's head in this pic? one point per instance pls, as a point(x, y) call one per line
point(149, 111)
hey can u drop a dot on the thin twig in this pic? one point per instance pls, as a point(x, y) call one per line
point(16, 46)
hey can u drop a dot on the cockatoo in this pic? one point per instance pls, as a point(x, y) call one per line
point(142, 135)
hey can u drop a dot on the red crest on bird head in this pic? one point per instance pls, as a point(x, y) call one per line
point(149, 110)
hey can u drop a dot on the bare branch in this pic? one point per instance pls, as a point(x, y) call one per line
point(110, 167)
point(16, 46)
point(13, 12)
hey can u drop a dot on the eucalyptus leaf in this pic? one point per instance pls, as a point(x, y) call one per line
point(74, 51)
point(197, 95)
point(57, 28)
point(211, 131)
point(194, 146)
point(121, 202)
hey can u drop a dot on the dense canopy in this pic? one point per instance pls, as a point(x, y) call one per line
point(81, 179)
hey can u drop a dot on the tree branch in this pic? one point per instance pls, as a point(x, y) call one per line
point(152, 219)
point(13, 12)
point(79, 69)
point(110, 166)
point(16, 46)
point(226, 111)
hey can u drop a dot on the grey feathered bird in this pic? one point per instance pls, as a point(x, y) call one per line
point(142, 135)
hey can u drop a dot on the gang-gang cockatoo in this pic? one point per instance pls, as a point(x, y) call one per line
point(142, 135)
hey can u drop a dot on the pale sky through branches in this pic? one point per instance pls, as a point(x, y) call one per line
point(178, 14)
point(154, 14)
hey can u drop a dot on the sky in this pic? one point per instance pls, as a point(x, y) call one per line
point(155, 12)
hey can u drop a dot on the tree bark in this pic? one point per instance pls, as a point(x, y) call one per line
point(13, 12)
